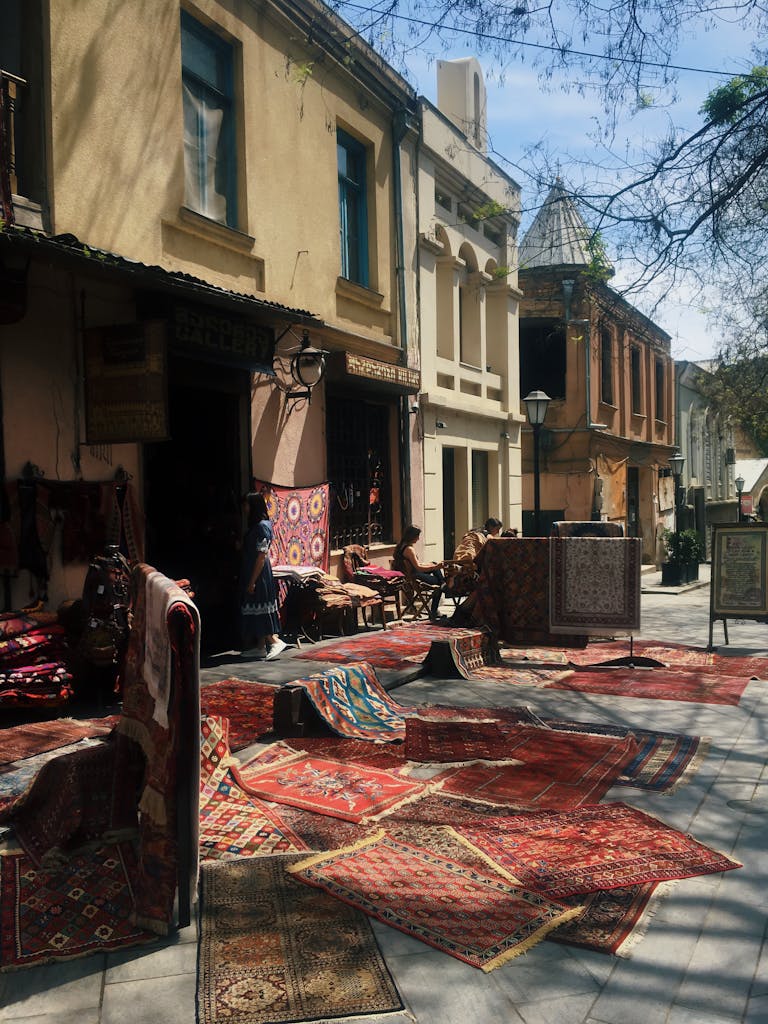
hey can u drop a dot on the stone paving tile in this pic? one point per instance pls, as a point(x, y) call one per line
point(556, 1009)
point(151, 1001)
point(75, 1017)
point(547, 968)
point(757, 1010)
point(153, 963)
point(688, 1015)
point(68, 987)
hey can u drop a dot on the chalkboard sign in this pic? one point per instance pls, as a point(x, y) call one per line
point(739, 586)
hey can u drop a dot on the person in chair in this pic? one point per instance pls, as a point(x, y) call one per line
point(406, 560)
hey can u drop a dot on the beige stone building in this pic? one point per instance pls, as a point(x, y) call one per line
point(187, 191)
point(468, 411)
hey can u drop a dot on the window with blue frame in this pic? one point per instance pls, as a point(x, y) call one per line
point(353, 208)
point(209, 138)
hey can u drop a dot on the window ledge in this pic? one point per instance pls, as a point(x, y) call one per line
point(358, 292)
point(198, 224)
point(609, 405)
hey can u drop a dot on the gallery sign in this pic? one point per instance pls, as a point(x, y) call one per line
point(211, 334)
point(125, 383)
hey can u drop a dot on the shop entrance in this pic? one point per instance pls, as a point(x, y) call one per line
point(193, 484)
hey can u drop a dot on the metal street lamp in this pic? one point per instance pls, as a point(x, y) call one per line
point(676, 462)
point(536, 405)
point(739, 481)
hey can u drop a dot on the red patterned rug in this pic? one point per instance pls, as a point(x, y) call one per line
point(472, 915)
point(596, 847)
point(70, 911)
point(613, 920)
point(455, 742)
point(21, 741)
point(390, 757)
point(690, 685)
point(247, 705)
point(559, 770)
point(673, 656)
point(403, 646)
point(330, 787)
point(523, 675)
point(594, 584)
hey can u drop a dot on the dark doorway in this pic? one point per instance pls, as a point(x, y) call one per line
point(449, 502)
point(193, 484)
point(633, 501)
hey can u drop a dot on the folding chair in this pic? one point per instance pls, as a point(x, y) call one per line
point(418, 596)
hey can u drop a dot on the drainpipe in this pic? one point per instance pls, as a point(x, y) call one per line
point(399, 130)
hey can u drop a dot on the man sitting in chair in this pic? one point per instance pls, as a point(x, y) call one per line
point(462, 576)
point(406, 560)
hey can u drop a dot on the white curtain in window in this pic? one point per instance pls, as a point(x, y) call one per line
point(202, 137)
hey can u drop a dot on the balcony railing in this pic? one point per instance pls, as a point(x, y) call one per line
point(10, 85)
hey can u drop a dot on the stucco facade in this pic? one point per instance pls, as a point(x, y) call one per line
point(468, 411)
point(110, 88)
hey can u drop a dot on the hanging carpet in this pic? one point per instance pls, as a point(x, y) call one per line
point(594, 847)
point(272, 950)
point(594, 584)
point(472, 915)
point(73, 910)
point(299, 518)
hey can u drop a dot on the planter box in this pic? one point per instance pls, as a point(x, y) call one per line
point(676, 574)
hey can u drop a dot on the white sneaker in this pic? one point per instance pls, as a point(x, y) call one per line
point(276, 649)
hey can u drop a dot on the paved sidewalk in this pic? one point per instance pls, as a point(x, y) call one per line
point(703, 960)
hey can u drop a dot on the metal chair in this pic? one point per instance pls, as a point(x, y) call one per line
point(418, 595)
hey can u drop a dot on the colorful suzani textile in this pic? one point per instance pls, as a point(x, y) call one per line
point(472, 915)
point(350, 792)
point(594, 584)
point(351, 701)
point(76, 909)
point(595, 847)
point(273, 950)
point(300, 524)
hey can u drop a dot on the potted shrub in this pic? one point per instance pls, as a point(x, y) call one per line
point(684, 551)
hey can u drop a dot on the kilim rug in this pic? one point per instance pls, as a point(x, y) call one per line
point(664, 761)
point(594, 584)
point(330, 787)
point(247, 705)
point(403, 646)
point(595, 847)
point(232, 824)
point(455, 742)
point(690, 685)
point(22, 741)
point(351, 701)
point(559, 771)
point(678, 656)
point(272, 950)
point(76, 909)
point(472, 915)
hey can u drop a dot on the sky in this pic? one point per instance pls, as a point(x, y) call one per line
point(521, 114)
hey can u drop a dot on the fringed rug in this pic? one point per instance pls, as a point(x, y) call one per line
point(247, 705)
point(455, 742)
point(400, 647)
point(664, 761)
point(594, 584)
point(597, 847)
point(351, 701)
point(272, 950)
point(613, 920)
point(559, 770)
point(74, 910)
point(523, 675)
point(22, 741)
point(472, 915)
point(330, 787)
point(673, 656)
point(457, 657)
point(689, 685)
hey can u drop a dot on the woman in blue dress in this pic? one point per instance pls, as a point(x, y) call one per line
point(259, 620)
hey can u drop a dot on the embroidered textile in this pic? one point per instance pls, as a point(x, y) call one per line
point(300, 523)
point(595, 847)
point(46, 685)
point(247, 705)
point(273, 950)
point(331, 787)
point(459, 910)
point(44, 644)
point(351, 701)
point(594, 584)
point(79, 908)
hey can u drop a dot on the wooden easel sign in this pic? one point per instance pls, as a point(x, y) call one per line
point(739, 587)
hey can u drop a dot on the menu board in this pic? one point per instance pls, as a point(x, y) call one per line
point(740, 571)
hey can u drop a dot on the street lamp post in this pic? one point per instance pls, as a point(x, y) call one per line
point(536, 404)
point(676, 462)
point(739, 481)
